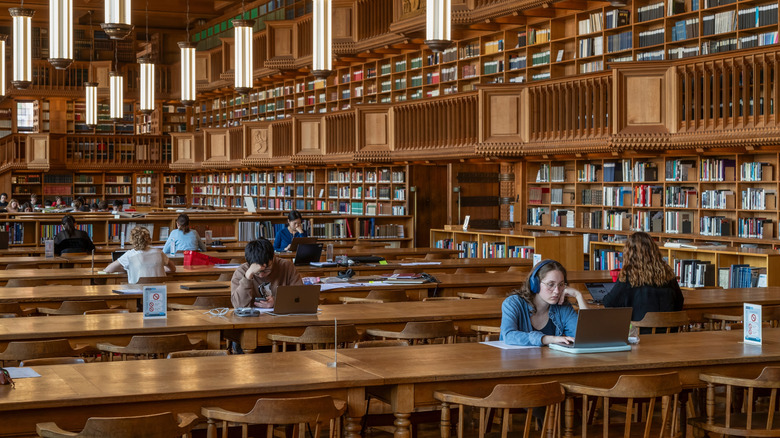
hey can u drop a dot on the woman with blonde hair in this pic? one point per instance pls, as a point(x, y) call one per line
point(646, 283)
point(142, 261)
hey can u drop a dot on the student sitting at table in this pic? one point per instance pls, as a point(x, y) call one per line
point(13, 206)
point(646, 283)
point(260, 276)
point(293, 229)
point(58, 203)
point(538, 314)
point(3, 200)
point(142, 261)
point(183, 238)
point(70, 239)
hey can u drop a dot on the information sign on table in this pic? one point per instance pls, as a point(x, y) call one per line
point(155, 302)
point(752, 323)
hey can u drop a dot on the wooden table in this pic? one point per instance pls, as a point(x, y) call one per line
point(727, 301)
point(84, 275)
point(68, 394)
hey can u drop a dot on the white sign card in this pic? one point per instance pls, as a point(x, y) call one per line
point(537, 259)
point(466, 223)
point(250, 204)
point(208, 235)
point(48, 246)
point(752, 323)
point(155, 302)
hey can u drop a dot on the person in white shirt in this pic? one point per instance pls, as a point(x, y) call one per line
point(142, 261)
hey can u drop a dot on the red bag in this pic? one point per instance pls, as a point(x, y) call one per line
point(194, 258)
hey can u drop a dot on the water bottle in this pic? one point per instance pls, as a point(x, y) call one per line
point(122, 240)
point(329, 253)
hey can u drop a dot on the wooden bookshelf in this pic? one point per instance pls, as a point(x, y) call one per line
point(724, 197)
point(566, 249)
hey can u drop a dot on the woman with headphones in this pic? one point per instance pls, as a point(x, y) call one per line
point(538, 314)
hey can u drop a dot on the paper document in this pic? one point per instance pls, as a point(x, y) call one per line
point(504, 346)
point(21, 372)
point(420, 263)
point(227, 265)
point(127, 291)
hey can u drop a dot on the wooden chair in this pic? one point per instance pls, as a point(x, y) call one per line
point(385, 343)
point(68, 255)
point(436, 256)
point(407, 271)
point(493, 292)
point(73, 307)
point(12, 266)
point(483, 331)
point(441, 299)
point(197, 353)
point(633, 389)
point(271, 412)
point(203, 303)
point(105, 311)
point(25, 350)
point(471, 270)
point(664, 320)
point(378, 296)
point(15, 308)
point(26, 282)
point(152, 280)
point(417, 332)
point(153, 426)
point(717, 321)
point(519, 269)
point(51, 361)
point(155, 345)
point(316, 337)
point(741, 416)
point(505, 397)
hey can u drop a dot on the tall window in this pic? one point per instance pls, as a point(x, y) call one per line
point(24, 116)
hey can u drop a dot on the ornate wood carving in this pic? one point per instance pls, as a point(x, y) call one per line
point(38, 151)
point(184, 152)
point(640, 98)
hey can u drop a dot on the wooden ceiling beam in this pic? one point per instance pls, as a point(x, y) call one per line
point(486, 26)
point(571, 5)
point(515, 18)
point(540, 12)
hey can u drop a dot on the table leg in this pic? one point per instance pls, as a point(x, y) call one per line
point(356, 408)
point(402, 425)
point(445, 420)
point(568, 418)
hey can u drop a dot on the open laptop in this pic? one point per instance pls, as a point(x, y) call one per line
point(307, 253)
point(599, 290)
point(599, 331)
point(299, 240)
point(297, 300)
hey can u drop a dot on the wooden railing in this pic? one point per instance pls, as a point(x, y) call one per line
point(305, 35)
point(445, 122)
point(12, 151)
point(575, 108)
point(46, 77)
point(282, 139)
point(730, 91)
point(128, 151)
point(374, 17)
point(236, 141)
point(340, 133)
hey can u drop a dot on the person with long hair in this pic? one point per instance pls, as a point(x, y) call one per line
point(293, 229)
point(70, 239)
point(142, 261)
point(538, 313)
point(646, 283)
point(183, 238)
point(13, 206)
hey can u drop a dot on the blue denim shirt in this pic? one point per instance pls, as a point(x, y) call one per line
point(178, 242)
point(284, 238)
point(516, 328)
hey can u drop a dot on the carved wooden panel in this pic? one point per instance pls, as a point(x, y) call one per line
point(217, 145)
point(308, 135)
point(228, 53)
point(640, 98)
point(257, 140)
point(37, 151)
point(374, 128)
point(184, 154)
point(281, 39)
point(98, 72)
point(343, 21)
point(500, 115)
point(202, 67)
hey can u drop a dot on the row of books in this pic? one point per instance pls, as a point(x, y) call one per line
point(606, 260)
point(591, 47)
point(115, 230)
point(650, 12)
point(715, 226)
point(591, 197)
point(617, 196)
point(248, 231)
point(339, 228)
point(717, 169)
point(562, 218)
point(655, 55)
point(758, 16)
point(755, 172)
point(559, 196)
point(685, 29)
point(721, 22)
point(764, 39)
point(618, 42)
point(594, 23)
point(499, 250)
point(694, 273)
point(651, 37)
point(678, 222)
point(755, 228)
point(649, 221)
point(647, 196)
point(717, 199)
point(617, 220)
point(724, 45)
point(759, 199)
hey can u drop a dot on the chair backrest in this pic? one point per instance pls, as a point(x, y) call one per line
point(316, 336)
point(26, 282)
point(471, 270)
point(436, 256)
point(105, 311)
point(23, 350)
point(664, 320)
point(73, 252)
point(14, 308)
point(212, 302)
point(76, 307)
point(12, 266)
point(159, 344)
point(197, 353)
point(499, 291)
point(519, 269)
point(162, 425)
point(743, 416)
point(279, 411)
point(441, 299)
point(385, 343)
point(386, 295)
point(152, 280)
point(429, 330)
point(51, 361)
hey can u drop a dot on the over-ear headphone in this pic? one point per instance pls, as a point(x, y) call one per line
point(534, 281)
point(347, 274)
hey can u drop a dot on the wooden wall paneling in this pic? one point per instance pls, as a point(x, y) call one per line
point(38, 151)
point(257, 140)
point(203, 70)
point(344, 21)
point(373, 17)
point(500, 115)
point(376, 128)
point(216, 147)
point(340, 133)
point(304, 33)
point(281, 39)
point(228, 54)
point(259, 49)
point(98, 72)
point(184, 155)
point(282, 139)
point(58, 116)
point(432, 200)
point(308, 135)
point(641, 98)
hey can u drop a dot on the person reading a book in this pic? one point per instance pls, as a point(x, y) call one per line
point(254, 283)
point(294, 228)
point(183, 238)
point(13, 206)
point(70, 239)
point(538, 313)
point(646, 282)
point(142, 261)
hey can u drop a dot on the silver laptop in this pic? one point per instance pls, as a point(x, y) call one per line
point(599, 290)
point(297, 300)
point(600, 330)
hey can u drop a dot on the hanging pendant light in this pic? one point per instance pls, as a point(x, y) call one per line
point(3, 39)
point(438, 24)
point(187, 49)
point(117, 89)
point(117, 19)
point(147, 74)
point(322, 55)
point(60, 33)
point(243, 53)
point(22, 46)
point(91, 92)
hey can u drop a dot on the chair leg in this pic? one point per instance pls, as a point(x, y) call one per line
point(445, 424)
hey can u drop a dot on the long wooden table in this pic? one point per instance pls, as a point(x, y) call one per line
point(84, 275)
point(407, 376)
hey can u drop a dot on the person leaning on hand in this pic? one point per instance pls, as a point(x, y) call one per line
point(260, 276)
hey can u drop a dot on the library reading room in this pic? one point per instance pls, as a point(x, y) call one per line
point(410, 218)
